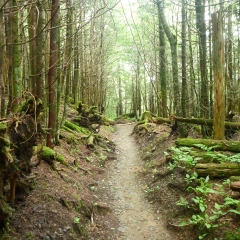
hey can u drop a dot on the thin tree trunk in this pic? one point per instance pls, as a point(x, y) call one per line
point(2, 43)
point(67, 59)
point(40, 50)
point(184, 72)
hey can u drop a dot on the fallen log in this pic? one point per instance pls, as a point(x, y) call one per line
point(235, 183)
point(224, 145)
point(198, 121)
point(160, 120)
point(217, 170)
point(208, 157)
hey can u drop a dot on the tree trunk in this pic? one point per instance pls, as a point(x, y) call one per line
point(201, 27)
point(53, 72)
point(2, 42)
point(184, 102)
point(173, 44)
point(219, 78)
point(40, 50)
point(162, 59)
point(67, 59)
point(32, 21)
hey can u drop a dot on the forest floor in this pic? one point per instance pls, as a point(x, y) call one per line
point(122, 189)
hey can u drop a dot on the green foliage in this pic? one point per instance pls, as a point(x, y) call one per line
point(181, 158)
point(206, 219)
point(235, 235)
point(3, 128)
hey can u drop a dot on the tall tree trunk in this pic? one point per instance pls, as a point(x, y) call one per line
point(219, 77)
point(230, 63)
point(193, 92)
point(14, 70)
point(40, 49)
point(210, 64)
point(173, 44)
point(67, 59)
point(53, 72)
point(162, 72)
point(2, 43)
point(184, 72)
point(32, 25)
point(201, 27)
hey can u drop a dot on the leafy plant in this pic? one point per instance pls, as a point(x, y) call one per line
point(181, 155)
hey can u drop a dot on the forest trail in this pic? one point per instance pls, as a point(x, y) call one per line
point(137, 219)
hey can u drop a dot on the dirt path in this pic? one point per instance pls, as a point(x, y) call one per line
point(137, 219)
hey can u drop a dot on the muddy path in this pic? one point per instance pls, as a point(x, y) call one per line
point(136, 216)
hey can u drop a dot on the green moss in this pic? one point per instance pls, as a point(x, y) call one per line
point(67, 129)
point(3, 128)
point(61, 159)
point(74, 127)
point(49, 155)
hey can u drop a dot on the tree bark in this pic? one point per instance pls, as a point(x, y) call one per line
point(201, 27)
point(184, 95)
point(219, 78)
point(53, 73)
point(162, 59)
point(173, 44)
point(2, 42)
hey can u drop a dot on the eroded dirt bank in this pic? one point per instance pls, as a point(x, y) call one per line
point(135, 213)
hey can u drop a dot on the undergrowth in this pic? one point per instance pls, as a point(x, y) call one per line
point(211, 202)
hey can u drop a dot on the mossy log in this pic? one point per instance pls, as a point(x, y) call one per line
point(235, 183)
point(198, 121)
point(218, 170)
point(160, 120)
point(207, 122)
point(223, 145)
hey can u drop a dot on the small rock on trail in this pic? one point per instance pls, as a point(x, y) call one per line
point(137, 219)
